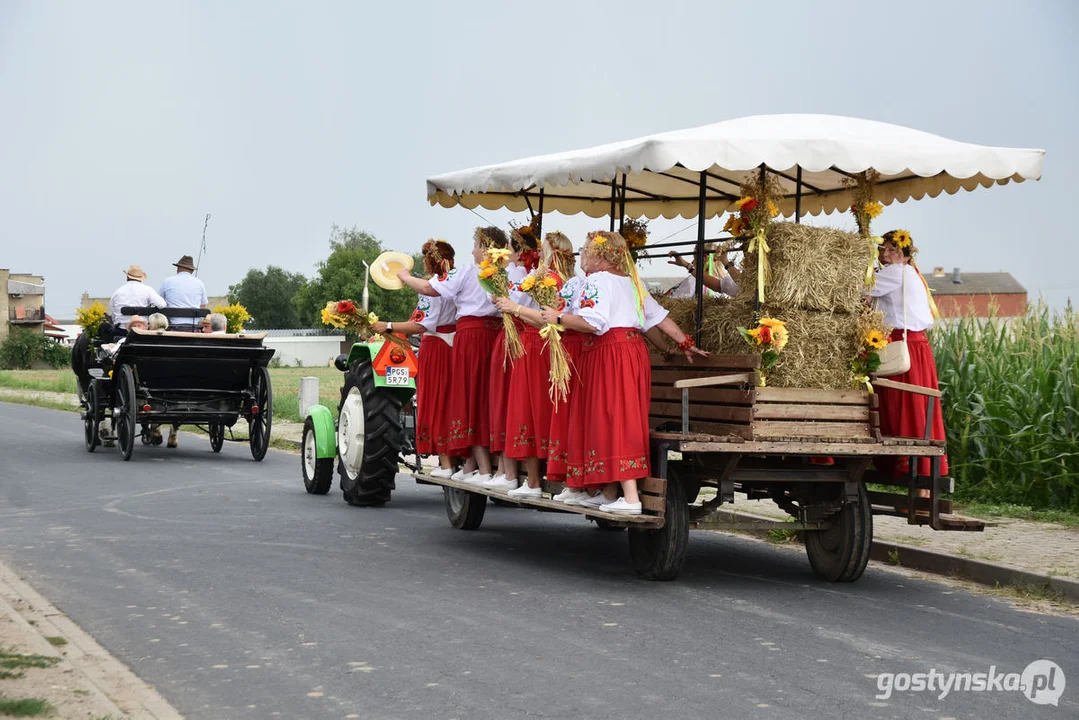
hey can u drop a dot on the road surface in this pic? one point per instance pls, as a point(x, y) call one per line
point(220, 582)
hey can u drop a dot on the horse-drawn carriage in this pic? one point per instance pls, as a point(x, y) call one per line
point(161, 378)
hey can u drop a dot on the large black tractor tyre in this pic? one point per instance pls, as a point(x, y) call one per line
point(381, 434)
point(317, 472)
point(841, 552)
point(659, 554)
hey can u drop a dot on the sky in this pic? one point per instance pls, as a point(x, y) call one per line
point(122, 124)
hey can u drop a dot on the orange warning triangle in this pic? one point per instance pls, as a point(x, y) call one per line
point(382, 360)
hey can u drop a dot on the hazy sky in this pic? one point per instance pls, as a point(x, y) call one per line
point(123, 123)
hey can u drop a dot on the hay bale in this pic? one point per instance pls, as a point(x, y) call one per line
point(813, 268)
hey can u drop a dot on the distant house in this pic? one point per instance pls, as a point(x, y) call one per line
point(22, 302)
point(972, 294)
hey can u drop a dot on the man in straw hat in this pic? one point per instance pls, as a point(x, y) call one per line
point(133, 293)
point(184, 290)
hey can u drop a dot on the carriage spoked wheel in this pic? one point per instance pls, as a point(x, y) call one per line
point(260, 421)
point(124, 417)
point(841, 552)
point(91, 420)
point(217, 436)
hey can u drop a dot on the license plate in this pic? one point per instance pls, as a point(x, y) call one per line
point(397, 376)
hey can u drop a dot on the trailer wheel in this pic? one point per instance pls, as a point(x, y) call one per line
point(217, 436)
point(125, 420)
point(259, 424)
point(841, 552)
point(91, 419)
point(659, 554)
point(465, 509)
point(369, 437)
point(317, 472)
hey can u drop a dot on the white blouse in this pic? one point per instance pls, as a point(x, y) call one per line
point(888, 294)
point(516, 275)
point(610, 301)
point(462, 288)
point(433, 312)
point(571, 294)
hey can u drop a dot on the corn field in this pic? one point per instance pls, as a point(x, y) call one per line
point(1011, 407)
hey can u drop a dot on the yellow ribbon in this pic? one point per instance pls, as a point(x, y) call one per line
point(864, 380)
point(546, 331)
point(759, 244)
point(874, 254)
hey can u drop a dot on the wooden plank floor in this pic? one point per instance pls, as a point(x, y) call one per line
point(650, 522)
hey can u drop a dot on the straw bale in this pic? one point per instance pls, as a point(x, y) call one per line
point(812, 268)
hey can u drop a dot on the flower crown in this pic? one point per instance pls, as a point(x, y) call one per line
point(527, 235)
point(901, 238)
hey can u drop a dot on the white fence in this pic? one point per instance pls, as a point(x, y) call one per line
point(306, 351)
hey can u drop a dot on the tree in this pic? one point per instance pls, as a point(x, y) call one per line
point(268, 297)
point(340, 277)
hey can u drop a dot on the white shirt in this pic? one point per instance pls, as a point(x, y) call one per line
point(184, 290)
point(688, 287)
point(888, 292)
point(132, 294)
point(610, 301)
point(571, 294)
point(432, 312)
point(517, 274)
point(462, 287)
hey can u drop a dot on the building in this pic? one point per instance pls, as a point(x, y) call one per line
point(973, 294)
point(22, 302)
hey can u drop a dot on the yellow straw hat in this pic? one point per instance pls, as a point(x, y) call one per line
point(386, 266)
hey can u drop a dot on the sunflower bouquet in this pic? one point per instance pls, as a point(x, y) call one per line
point(635, 232)
point(544, 285)
point(868, 359)
point(344, 315)
point(495, 280)
point(756, 209)
point(865, 209)
point(91, 318)
point(769, 337)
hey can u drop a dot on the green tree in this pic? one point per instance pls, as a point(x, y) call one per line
point(340, 277)
point(268, 297)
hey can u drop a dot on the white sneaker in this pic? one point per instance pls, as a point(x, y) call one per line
point(569, 496)
point(443, 473)
point(525, 492)
point(621, 507)
point(593, 501)
point(500, 482)
point(461, 474)
point(476, 479)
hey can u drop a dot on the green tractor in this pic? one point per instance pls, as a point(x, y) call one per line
point(372, 426)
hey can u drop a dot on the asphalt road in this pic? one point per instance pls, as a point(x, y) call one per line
point(219, 581)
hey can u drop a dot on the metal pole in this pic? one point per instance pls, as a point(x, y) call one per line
point(757, 294)
point(622, 209)
point(701, 205)
point(539, 225)
point(614, 198)
point(798, 197)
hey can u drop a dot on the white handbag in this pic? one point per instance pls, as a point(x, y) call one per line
point(895, 357)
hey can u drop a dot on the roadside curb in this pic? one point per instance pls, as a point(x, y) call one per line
point(978, 571)
point(107, 676)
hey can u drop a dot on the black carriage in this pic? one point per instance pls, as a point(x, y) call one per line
point(162, 378)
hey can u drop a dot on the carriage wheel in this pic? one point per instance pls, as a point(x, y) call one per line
point(217, 436)
point(125, 420)
point(259, 424)
point(659, 554)
point(91, 419)
point(369, 437)
point(841, 552)
point(317, 472)
point(465, 509)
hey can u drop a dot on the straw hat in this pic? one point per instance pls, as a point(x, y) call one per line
point(386, 266)
point(134, 272)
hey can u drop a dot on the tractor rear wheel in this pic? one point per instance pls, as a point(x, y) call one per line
point(369, 438)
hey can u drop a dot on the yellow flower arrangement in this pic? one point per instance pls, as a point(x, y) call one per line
point(549, 282)
point(345, 315)
point(488, 271)
point(902, 238)
point(742, 202)
point(91, 318)
point(528, 282)
point(875, 339)
point(770, 336)
point(236, 314)
point(495, 281)
point(873, 209)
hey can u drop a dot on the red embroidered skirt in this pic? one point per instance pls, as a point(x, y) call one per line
point(500, 370)
point(609, 413)
point(467, 415)
point(432, 403)
point(528, 409)
point(902, 414)
point(561, 419)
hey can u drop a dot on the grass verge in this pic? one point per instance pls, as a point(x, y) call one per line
point(25, 707)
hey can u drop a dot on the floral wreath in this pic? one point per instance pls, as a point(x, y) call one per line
point(901, 238)
point(635, 232)
point(430, 249)
point(526, 241)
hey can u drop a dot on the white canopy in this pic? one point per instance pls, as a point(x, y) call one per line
point(662, 173)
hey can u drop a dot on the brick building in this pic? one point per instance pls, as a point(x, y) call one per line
point(958, 293)
point(22, 302)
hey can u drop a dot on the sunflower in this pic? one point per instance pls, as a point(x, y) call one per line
point(875, 339)
point(746, 203)
point(599, 240)
point(873, 209)
point(901, 238)
point(549, 282)
point(488, 271)
point(772, 209)
point(735, 225)
point(498, 253)
point(528, 282)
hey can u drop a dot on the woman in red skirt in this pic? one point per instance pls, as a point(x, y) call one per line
point(435, 318)
point(530, 408)
point(902, 295)
point(608, 445)
point(478, 324)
